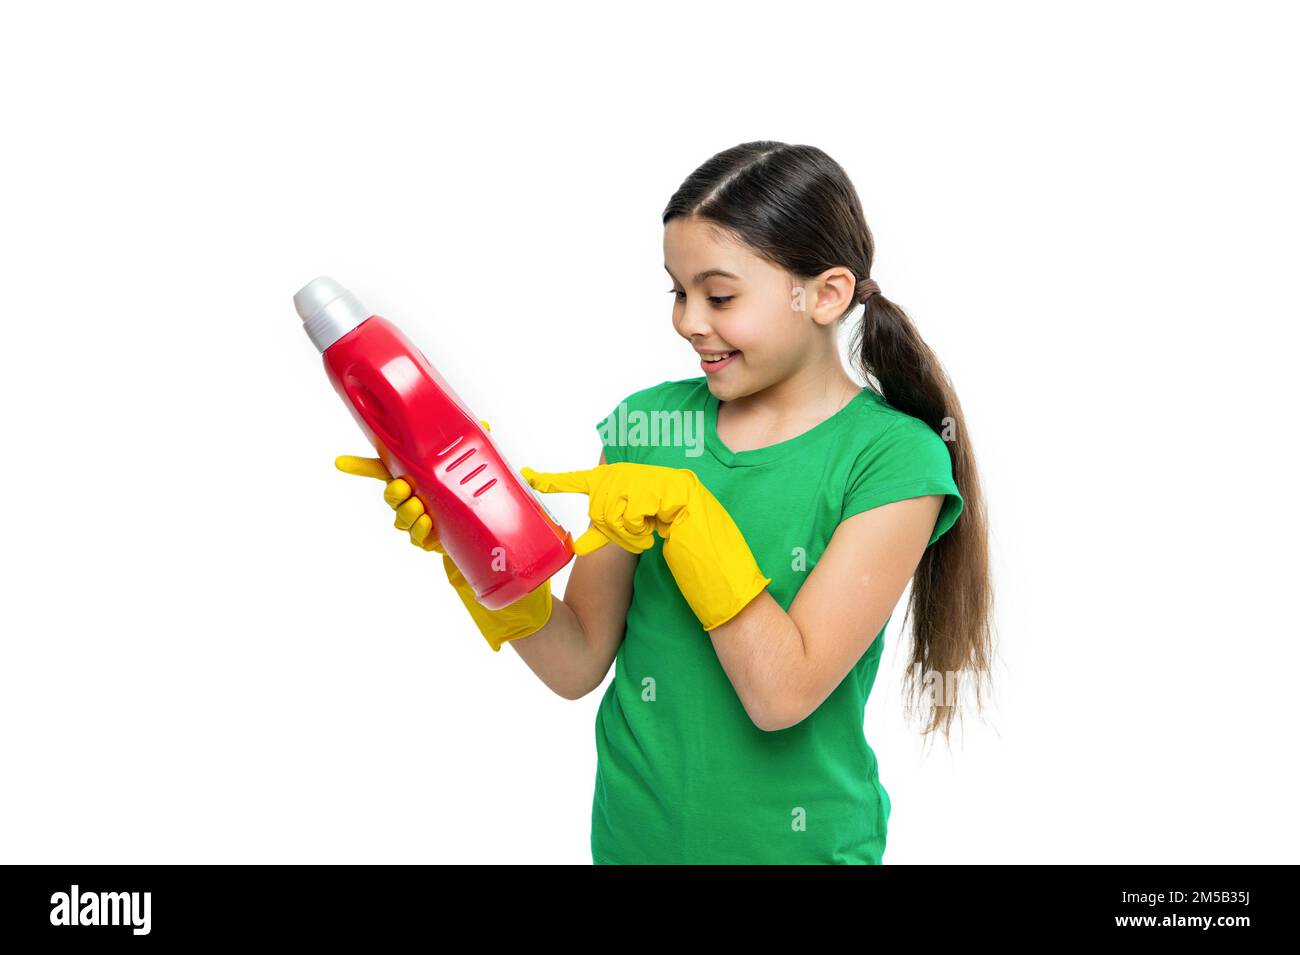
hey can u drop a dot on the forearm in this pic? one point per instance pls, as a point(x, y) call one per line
point(765, 657)
point(560, 653)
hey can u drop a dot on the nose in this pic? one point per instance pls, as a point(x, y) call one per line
point(690, 321)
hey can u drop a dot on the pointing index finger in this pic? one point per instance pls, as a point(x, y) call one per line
point(579, 482)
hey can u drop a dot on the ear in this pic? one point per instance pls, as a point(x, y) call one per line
point(831, 295)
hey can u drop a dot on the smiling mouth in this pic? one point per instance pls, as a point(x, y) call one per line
point(710, 359)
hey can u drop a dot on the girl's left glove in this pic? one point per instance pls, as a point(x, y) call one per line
point(703, 548)
point(522, 618)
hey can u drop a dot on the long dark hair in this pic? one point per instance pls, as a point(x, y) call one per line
point(795, 207)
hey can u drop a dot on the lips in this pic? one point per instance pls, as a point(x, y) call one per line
point(721, 361)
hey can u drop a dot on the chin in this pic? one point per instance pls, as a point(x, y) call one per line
point(728, 390)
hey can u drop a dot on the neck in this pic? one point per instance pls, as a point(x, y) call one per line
point(813, 393)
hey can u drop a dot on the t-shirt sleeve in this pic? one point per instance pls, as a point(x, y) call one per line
point(909, 460)
point(607, 428)
point(617, 428)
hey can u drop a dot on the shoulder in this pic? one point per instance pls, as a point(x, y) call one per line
point(670, 413)
point(886, 432)
point(678, 393)
point(892, 450)
point(900, 457)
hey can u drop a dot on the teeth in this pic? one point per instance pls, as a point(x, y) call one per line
point(718, 357)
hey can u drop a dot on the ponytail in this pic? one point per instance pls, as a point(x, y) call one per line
point(951, 599)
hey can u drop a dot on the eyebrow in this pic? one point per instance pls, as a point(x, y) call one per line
point(707, 273)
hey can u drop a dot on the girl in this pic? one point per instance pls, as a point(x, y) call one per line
point(768, 515)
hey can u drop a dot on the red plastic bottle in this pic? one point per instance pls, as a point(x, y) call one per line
point(491, 522)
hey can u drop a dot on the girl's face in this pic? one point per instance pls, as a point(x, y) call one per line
point(727, 300)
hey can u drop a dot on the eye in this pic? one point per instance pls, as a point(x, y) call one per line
point(718, 300)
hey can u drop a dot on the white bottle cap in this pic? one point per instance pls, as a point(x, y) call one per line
point(328, 311)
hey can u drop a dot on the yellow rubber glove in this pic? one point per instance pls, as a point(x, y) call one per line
point(703, 548)
point(521, 619)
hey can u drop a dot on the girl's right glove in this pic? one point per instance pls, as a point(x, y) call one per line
point(703, 548)
point(521, 619)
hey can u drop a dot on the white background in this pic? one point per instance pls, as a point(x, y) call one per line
point(216, 648)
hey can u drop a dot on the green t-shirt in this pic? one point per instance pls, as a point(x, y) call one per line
point(683, 775)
